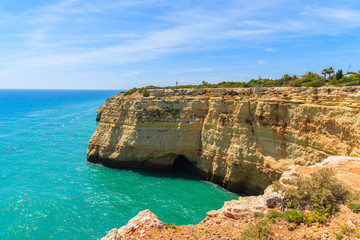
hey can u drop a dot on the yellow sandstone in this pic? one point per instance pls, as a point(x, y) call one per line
point(242, 139)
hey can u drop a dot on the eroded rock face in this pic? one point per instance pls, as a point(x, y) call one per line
point(242, 139)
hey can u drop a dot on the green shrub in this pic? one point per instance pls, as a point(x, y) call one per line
point(303, 217)
point(258, 214)
point(274, 214)
point(318, 82)
point(321, 192)
point(339, 75)
point(172, 225)
point(354, 207)
point(347, 230)
point(298, 217)
point(145, 93)
point(321, 217)
point(292, 203)
point(258, 231)
point(130, 91)
point(339, 236)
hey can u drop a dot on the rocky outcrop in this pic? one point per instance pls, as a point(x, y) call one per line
point(236, 215)
point(99, 112)
point(242, 139)
point(346, 169)
point(141, 223)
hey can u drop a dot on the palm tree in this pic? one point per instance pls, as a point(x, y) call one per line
point(330, 71)
point(324, 71)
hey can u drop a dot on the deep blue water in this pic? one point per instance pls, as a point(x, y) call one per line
point(49, 191)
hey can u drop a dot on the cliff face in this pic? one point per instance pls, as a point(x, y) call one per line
point(242, 139)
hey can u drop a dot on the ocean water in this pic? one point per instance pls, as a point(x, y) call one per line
point(49, 191)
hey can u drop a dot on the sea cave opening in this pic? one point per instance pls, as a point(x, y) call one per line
point(183, 165)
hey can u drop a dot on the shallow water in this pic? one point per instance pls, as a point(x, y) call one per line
point(49, 191)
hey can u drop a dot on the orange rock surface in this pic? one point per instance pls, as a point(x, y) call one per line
point(235, 216)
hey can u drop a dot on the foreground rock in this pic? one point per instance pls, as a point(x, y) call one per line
point(144, 222)
point(242, 139)
point(231, 220)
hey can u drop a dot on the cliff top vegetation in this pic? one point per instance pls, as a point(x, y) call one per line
point(309, 79)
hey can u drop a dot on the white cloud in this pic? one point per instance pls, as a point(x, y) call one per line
point(336, 14)
point(202, 28)
point(343, 17)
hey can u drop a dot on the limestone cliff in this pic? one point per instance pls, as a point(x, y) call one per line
point(242, 139)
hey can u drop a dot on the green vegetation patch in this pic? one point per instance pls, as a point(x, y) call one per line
point(259, 231)
point(309, 79)
point(298, 217)
point(354, 207)
point(347, 232)
point(258, 214)
point(274, 214)
point(321, 192)
point(172, 225)
point(354, 203)
point(145, 93)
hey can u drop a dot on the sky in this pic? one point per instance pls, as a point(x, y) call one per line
point(121, 44)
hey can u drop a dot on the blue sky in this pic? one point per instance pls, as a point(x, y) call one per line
point(110, 44)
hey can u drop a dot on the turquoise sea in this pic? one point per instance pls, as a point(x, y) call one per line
point(49, 191)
